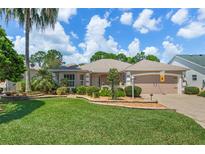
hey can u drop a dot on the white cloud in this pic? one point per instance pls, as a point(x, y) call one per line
point(151, 51)
point(95, 39)
point(170, 50)
point(75, 58)
point(201, 14)
point(126, 18)
point(65, 14)
point(169, 14)
point(133, 47)
point(45, 40)
point(193, 30)
point(180, 16)
point(145, 23)
point(74, 35)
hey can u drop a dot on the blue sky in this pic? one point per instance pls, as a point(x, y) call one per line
point(79, 33)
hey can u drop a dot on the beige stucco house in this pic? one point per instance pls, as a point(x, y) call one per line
point(145, 74)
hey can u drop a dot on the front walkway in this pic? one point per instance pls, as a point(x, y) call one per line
point(190, 105)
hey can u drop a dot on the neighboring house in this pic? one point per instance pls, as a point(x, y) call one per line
point(145, 74)
point(195, 76)
point(11, 86)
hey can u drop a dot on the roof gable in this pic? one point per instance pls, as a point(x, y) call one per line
point(147, 65)
point(104, 65)
point(189, 64)
point(197, 59)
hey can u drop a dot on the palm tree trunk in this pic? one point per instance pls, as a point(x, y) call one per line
point(27, 26)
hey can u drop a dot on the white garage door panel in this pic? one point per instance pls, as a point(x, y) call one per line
point(151, 84)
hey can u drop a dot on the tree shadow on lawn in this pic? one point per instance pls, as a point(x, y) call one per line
point(21, 109)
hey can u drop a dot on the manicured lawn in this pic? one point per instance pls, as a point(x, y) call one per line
point(75, 121)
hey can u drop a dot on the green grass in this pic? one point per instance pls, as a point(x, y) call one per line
point(75, 121)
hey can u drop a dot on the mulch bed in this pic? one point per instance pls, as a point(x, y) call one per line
point(151, 106)
point(137, 103)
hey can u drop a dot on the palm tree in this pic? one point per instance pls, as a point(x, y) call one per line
point(27, 17)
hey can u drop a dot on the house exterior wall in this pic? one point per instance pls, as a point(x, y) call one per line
point(188, 75)
point(77, 77)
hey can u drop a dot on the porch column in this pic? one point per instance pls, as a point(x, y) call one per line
point(179, 86)
point(128, 79)
point(87, 79)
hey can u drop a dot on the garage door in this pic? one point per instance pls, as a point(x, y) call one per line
point(151, 84)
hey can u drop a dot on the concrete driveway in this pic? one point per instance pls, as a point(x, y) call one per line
point(192, 106)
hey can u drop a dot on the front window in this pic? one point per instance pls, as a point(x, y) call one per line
point(71, 79)
point(194, 77)
point(81, 79)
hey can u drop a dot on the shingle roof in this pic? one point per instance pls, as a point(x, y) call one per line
point(147, 65)
point(104, 65)
point(197, 59)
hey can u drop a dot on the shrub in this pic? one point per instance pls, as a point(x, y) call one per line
point(20, 86)
point(191, 90)
point(137, 91)
point(74, 90)
point(96, 94)
point(91, 89)
point(202, 93)
point(120, 92)
point(81, 90)
point(105, 91)
point(64, 82)
point(62, 91)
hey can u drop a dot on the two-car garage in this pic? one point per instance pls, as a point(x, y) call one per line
point(152, 84)
point(148, 75)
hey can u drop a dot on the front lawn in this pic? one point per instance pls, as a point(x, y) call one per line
point(75, 121)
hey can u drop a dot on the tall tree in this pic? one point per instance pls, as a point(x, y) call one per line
point(53, 59)
point(38, 58)
point(140, 56)
point(11, 64)
point(27, 17)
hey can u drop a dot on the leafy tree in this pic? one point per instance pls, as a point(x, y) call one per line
point(27, 17)
point(53, 59)
point(140, 56)
point(11, 64)
point(113, 78)
point(152, 58)
point(122, 57)
point(131, 60)
point(38, 58)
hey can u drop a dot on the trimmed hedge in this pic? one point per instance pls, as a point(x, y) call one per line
point(105, 91)
point(137, 91)
point(92, 89)
point(202, 93)
point(120, 92)
point(81, 90)
point(62, 91)
point(191, 90)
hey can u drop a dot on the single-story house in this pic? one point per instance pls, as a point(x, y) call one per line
point(195, 75)
point(152, 77)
